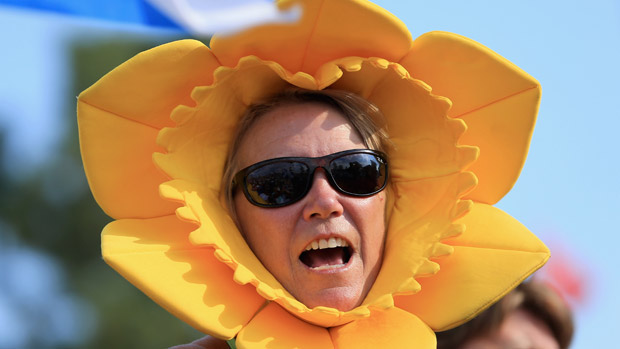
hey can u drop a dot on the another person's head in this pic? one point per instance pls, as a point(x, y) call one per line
point(325, 246)
point(531, 316)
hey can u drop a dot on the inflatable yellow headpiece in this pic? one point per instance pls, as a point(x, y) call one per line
point(155, 133)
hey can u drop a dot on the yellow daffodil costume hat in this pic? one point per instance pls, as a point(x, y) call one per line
point(154, 136)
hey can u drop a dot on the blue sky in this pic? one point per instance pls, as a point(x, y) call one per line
point(568, 191)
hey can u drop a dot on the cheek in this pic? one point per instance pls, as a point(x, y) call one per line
point(249, 222)
point(241, 214)
point(380, 218)
point(373, 226)
point(263, 229)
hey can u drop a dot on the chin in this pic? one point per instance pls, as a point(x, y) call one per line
point(341, 298)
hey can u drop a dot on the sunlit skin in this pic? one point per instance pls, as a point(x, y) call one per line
point(519, 330)
point(279, 235)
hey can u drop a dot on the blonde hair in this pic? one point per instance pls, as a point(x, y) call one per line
point(364, 116)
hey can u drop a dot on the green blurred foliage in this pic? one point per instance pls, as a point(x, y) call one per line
point(54, 211)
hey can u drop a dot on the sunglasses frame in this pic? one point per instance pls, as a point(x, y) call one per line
point(313, 163)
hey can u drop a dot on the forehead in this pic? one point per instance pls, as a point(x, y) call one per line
point(307, 129)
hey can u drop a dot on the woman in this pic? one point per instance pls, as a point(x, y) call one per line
point(428, 252)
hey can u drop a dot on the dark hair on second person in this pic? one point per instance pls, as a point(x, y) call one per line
point(535, 297)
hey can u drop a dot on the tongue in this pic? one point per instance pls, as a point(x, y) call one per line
point(319, 258)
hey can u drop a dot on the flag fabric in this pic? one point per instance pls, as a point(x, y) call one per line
point(197, 17)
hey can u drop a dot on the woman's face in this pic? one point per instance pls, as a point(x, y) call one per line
point(279, 236)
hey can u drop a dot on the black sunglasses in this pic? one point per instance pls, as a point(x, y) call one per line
point(283, 181)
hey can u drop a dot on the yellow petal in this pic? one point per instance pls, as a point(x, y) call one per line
point(149, 86)
point(120, 115)
point(117, 160)
point(390, 328)
point(490, 227)
point(156, 256)
point(321, 35)
point(497, 100)
point(492, 256)
point(503, 138)
point(274, 328)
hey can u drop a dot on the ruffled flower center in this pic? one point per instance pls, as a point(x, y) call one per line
point(433, 189)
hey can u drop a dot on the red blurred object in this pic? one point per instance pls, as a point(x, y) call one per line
point(567, 275)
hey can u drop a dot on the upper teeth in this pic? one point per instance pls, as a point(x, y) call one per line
point(326, 243)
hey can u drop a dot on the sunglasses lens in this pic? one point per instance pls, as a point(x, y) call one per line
point(284, 181)
point(278, 184)
point(359, 174)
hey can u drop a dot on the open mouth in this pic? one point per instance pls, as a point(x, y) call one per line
point(324, 254)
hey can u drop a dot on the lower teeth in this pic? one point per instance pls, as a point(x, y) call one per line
point(325, 267)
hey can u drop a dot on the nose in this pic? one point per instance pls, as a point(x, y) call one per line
point(322, 201)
